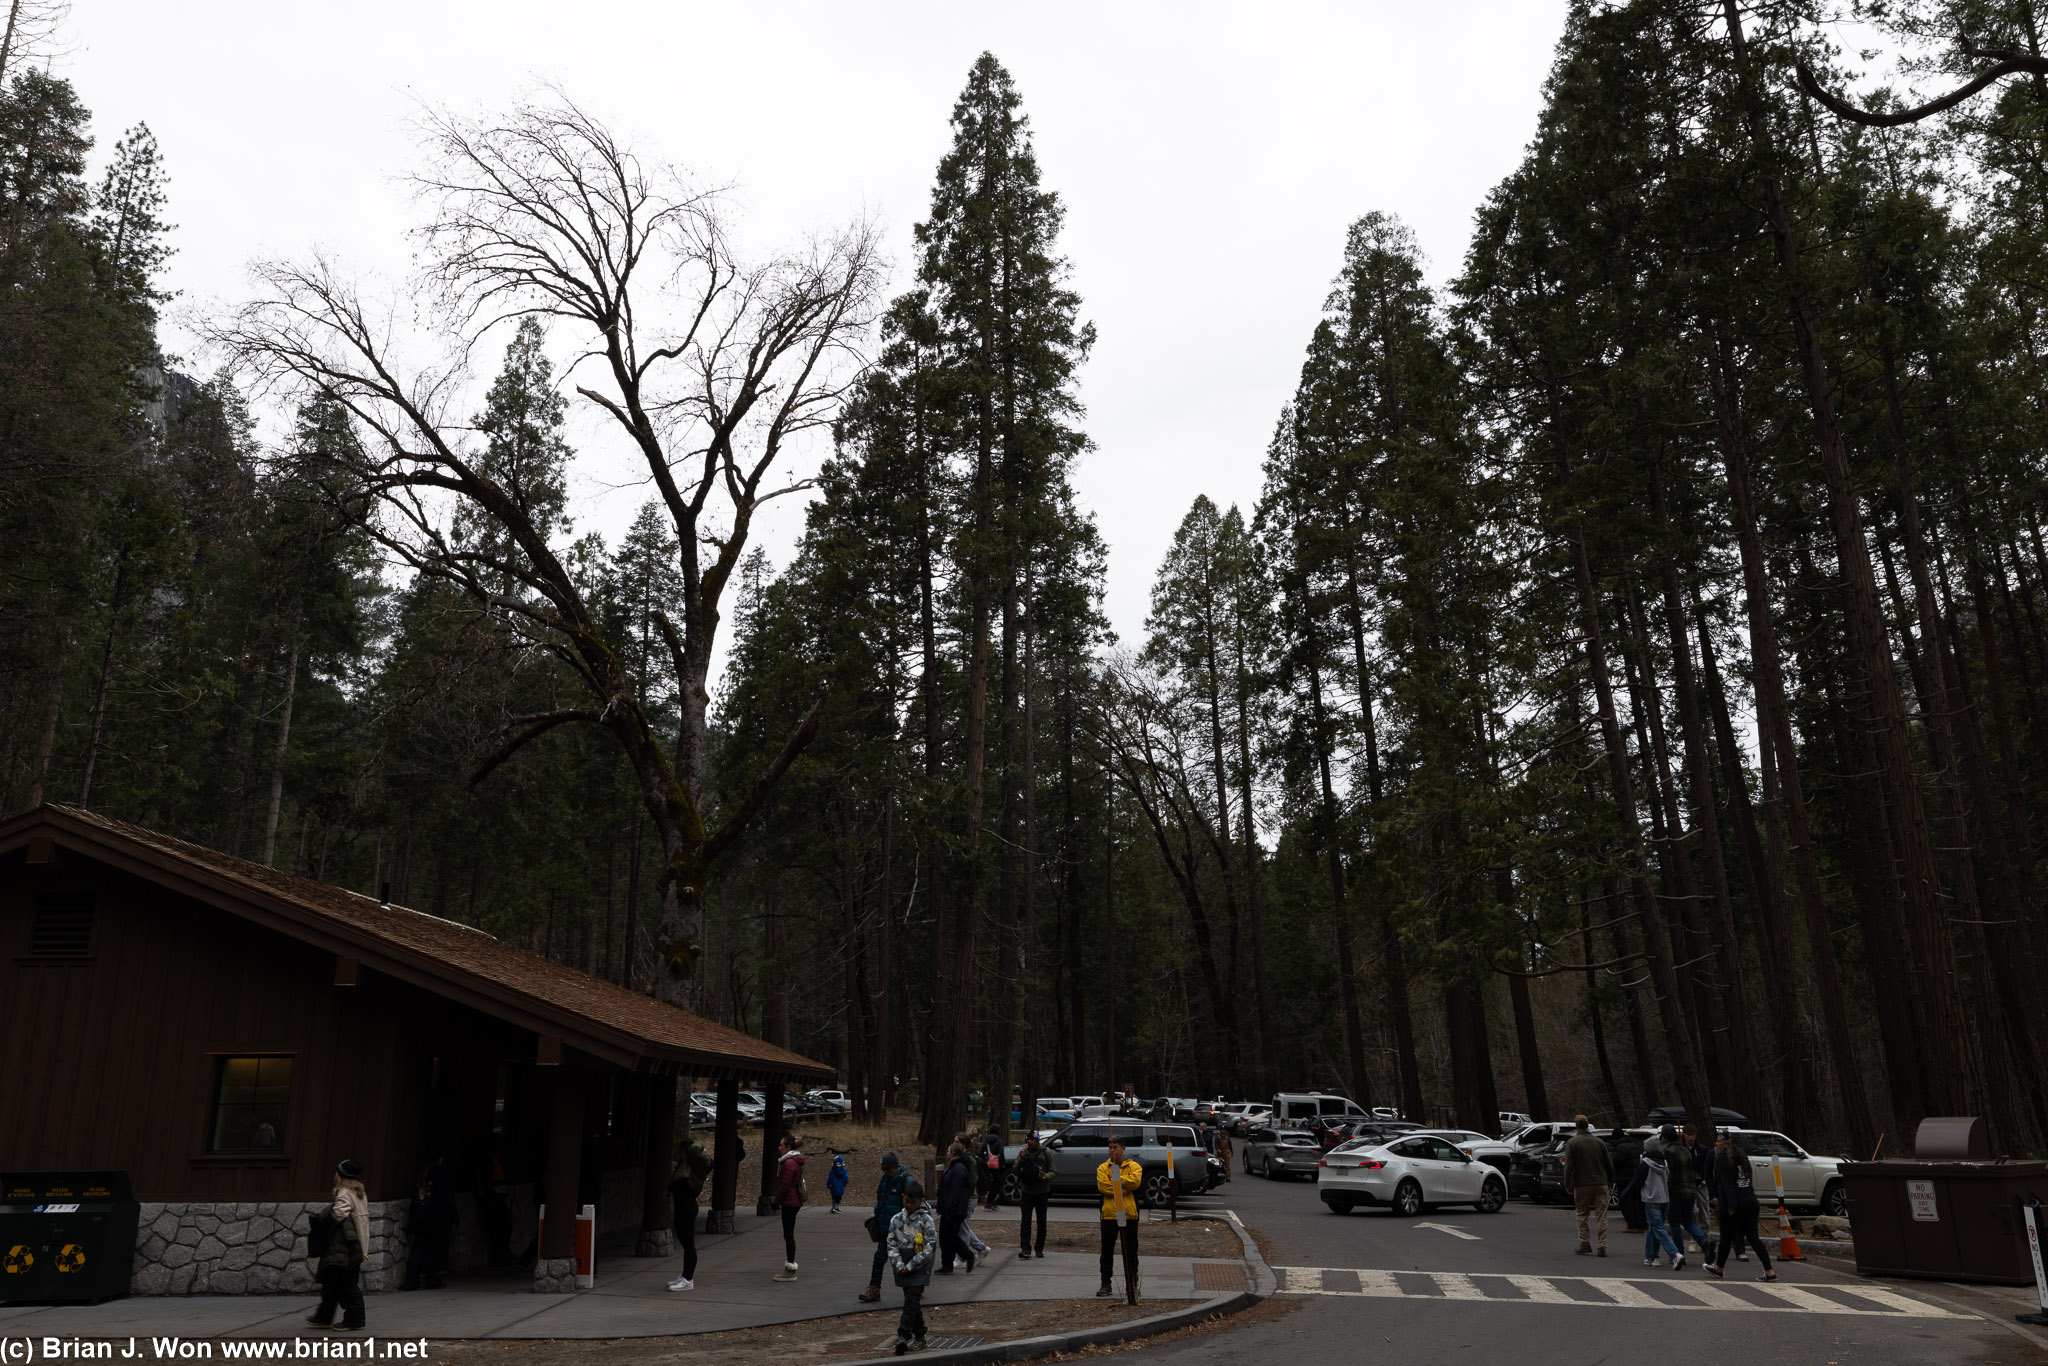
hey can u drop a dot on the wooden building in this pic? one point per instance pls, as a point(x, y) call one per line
point(225, 1033)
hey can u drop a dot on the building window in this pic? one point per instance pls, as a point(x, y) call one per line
point(63, 925)
point(249, 1101)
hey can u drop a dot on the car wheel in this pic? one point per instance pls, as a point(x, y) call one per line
point(1012, 1192)
point(1153, 1195)
point(1408, 1199)
point(1835, 1200)
point(1614, 1197)
point(1492, 1196)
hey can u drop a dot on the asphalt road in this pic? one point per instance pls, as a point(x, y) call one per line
point(1457, 1286)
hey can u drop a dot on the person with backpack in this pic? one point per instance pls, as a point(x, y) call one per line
point(686, 1185)
point(1034, 1188)
point(789, 1198)
point(910, 1244)
point(837, 1180)
point(991, 1155)
point(1682, 1217)
point(343, 1233)
point(889, 1195)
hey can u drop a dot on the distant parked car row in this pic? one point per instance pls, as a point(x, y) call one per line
point(753, 1107)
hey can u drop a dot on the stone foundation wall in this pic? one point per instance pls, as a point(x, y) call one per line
point(260, 1249)
point(250, 1249)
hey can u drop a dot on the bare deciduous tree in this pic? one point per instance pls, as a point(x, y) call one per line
point(710, 365)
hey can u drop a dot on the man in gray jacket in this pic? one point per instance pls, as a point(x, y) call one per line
point(1588, 1173)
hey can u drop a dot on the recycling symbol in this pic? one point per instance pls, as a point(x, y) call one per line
point(19, 1260)
point(70, 1258)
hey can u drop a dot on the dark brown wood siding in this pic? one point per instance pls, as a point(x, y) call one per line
point(109, 1061)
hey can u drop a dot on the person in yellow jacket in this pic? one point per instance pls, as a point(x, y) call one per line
point(1124, 1171)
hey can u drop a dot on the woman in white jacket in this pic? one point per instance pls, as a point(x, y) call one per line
point(341, 1265)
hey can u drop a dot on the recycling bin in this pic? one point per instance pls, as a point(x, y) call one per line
point(66, 1237)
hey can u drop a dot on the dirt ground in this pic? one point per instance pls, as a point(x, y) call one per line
point(846, 1337)
point(1188, 1238)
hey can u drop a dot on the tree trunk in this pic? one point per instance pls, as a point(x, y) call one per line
point(275, 808)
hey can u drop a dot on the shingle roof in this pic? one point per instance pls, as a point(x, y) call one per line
point(457, 960)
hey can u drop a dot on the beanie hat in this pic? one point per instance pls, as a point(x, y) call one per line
point(349, 1169)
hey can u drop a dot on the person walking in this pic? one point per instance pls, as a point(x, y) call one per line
point(837, 1180)
point(685, 1187)
point(1683, 1216)
point(1656, 1196)
point(1588, 1175)
point(1628, 1156)
point(991, 1155)
point(889, 1192)
point(1034, 1194)
point(789, 1198)
point(956, 1202)
point(1118, 1181)
point(911, 1243)
point(341, 1264)
point(1734, 1197)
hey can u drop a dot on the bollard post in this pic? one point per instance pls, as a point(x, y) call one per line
point(2037, 1231)
point(1172, 1189)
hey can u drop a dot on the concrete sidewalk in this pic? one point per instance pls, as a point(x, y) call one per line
point(735, 1289)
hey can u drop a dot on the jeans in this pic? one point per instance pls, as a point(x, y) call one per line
point(1683, 1217)
point(910, 1324)
point(1109, 1232)
point(789, 1232)
point(1657, 1235)
point(341, 1287)
point(1030, 1204)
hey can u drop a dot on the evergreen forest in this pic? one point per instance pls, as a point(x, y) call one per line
point(1629, 687)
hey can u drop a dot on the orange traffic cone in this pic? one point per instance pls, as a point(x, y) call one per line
point(1788, 1244)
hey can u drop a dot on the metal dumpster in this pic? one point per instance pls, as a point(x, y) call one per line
point(66, 1236)
point(1952, 1213)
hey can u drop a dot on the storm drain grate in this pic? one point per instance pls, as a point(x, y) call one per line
point(1219, 1276)
point(936, 1344)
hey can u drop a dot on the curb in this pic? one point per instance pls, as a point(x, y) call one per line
point(1263, 1285)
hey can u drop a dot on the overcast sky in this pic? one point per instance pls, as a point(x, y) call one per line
point(1209, 156)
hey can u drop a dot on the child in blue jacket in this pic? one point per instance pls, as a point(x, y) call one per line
point(836, 1182)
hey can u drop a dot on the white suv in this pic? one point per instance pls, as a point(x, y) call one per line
point(1809, 1180)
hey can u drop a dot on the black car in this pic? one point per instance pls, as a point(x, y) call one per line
point(1538, 1171)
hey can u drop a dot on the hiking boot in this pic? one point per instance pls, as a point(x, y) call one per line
point(917, 1344)
point(1601, 1253)
point(1585, 1249)
point(902, 1346)
point(871, 1294)
point(1040, 1254)
point(788, 1272)
point(1103, 1293)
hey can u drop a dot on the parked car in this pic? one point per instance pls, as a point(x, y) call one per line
point(1478, 1147)
point(1526, 1166)
point(1082, 1147)
point(1240, 1115)
point(1539, 1134)
point(1302, 1107)
point(1281, 1152)
point(1511, 1120)
point(1810, 1181)
point(1409, 1176)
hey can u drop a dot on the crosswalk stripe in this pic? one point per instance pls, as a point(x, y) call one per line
point(1457, 1286)
point(1627, 1294)
point(1797, 1298)
point(1601, 1292)
point(1918, 1309)
point(1711, 1296)
point(1539, 1290)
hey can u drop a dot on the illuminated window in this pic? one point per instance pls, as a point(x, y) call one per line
point(250, 1098)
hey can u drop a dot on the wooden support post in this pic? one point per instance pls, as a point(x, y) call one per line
point(657, 1215)
point(725, 1158)
point(564, 1170)
point(771, 1133)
